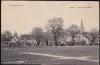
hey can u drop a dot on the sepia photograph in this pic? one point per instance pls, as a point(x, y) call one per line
point(50, 32)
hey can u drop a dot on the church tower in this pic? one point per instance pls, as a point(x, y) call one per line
point(81, 26)
point(81, 38)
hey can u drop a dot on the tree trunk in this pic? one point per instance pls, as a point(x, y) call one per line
point(73, 41)
point(56, 41)
point(47, 42)
point(38, 42)
point(93, 40)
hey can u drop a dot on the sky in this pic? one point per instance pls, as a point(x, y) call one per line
point(22, 16)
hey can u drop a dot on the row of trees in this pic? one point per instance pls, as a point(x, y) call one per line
point(55, 31)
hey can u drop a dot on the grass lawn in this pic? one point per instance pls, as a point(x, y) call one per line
point(14, 55)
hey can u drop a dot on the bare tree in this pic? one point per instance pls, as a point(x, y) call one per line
point(55, 26)
point(46, 38)
point(92, 35)
point(37, 34)
point(73, 31)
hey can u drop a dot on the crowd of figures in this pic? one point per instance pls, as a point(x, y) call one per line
point(20, 43)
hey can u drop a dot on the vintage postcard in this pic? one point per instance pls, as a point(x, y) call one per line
point(50, 32)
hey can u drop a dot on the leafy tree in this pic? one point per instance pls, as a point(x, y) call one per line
point(8, 35)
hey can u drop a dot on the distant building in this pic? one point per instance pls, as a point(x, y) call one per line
point(81, 36)
point(15, 37)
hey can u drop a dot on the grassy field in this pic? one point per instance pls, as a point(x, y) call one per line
point(51, 55)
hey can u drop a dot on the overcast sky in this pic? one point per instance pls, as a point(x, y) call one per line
point(29, 14)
